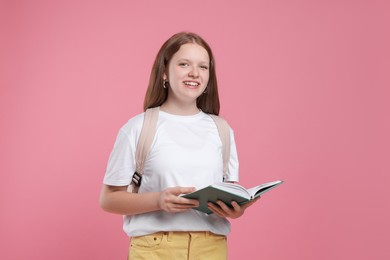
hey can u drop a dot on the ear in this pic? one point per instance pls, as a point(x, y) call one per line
point(165, 76)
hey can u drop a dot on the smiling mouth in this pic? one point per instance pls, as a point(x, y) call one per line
point(191, 83)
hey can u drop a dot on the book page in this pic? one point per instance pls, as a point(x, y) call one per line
point(262, 188)
point(233, 188)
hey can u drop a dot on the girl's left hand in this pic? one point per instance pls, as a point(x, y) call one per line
point(224, 211)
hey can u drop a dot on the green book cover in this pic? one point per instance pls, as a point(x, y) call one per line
point(228, 192)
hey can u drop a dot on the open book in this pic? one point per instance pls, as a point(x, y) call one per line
point(228, 192)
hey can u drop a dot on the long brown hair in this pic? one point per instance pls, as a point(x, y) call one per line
point(156, 95)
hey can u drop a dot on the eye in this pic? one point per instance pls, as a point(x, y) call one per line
point(183, 64)
point(204, 67)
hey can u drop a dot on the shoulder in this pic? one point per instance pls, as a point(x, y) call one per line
point(133, 125)
point(220, 121)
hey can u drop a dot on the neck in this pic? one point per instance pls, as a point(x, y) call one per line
point(180, 109)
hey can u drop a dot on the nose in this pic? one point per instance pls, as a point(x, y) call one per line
point(193, 72)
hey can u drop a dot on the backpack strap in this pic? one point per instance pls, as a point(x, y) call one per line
point(224, 133)
point(144, 144)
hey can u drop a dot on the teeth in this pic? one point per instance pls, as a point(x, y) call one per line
point(191, 83)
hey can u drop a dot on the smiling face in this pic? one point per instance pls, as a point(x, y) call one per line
point(188, 74)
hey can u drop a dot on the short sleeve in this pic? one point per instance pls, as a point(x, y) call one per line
point(121, 163)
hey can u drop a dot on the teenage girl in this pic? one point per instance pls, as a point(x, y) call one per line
point(185, 156)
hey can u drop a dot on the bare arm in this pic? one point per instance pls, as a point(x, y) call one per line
point(116, 199)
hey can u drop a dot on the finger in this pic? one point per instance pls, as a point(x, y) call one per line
point(217, 213)
point(182, 190)
point(216, 209)
point(190, 203)
point(184, 201)
point(236, 206)
point(246, 205)
point(178, 207)
point(224, 207)
point(176, 210)
point(182, 206)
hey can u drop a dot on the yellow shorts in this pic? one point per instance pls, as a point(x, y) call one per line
point(179, 245)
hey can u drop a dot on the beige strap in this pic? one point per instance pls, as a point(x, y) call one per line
point(224, 134)
point(146, 138)
point(148, 131)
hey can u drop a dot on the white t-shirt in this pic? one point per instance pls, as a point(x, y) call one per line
point(187, 152)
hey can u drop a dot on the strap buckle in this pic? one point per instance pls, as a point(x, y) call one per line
point(137, 178)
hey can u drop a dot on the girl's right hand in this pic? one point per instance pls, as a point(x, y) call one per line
point(170, 200)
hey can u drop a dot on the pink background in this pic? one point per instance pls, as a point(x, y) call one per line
point(305, 85)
